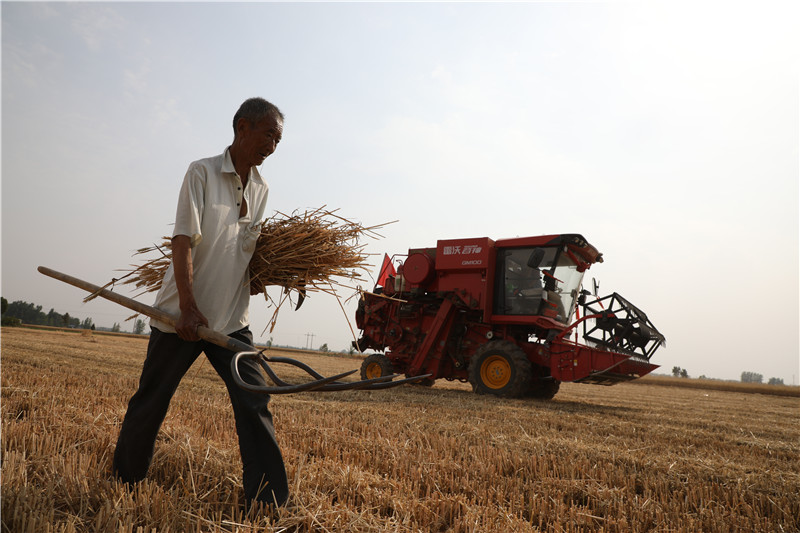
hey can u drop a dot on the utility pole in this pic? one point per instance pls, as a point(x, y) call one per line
point(312, 341)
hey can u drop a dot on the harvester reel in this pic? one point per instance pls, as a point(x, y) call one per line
point(500, 367)
point(621, 326)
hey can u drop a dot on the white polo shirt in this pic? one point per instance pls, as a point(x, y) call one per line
point(222, 243)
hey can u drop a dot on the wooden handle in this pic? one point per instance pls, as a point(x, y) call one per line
point(220, 339)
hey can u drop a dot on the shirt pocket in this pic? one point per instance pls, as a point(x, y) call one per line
point(250, 238)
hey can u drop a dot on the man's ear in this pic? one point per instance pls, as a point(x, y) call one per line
point(242, 125)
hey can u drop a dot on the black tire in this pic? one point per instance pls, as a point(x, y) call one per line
point(425, 382)
point(501, 368)
point(543, 388)
point(375, 366)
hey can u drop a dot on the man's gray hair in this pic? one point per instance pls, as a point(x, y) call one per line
point(256, 109)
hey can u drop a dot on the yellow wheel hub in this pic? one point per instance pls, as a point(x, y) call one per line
point(374, 371)
point(495, 372)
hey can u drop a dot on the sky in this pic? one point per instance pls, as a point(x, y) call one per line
point(666, 133)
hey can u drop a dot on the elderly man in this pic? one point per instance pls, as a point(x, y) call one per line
point(220, 207)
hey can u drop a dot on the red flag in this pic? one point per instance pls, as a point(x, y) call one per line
point(387, 269)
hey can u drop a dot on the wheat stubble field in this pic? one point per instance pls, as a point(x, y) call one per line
point(633, 457)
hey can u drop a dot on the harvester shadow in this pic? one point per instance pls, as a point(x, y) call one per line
point(415, 395)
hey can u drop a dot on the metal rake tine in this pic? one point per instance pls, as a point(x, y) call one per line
point(281, 387)
point(356, 385)
point(383, 382)
point(264, 362)
point(365, 384)
point(260, 358)
point(299, 364)
point(337, 386)
point(313, 373)
point(391, 384)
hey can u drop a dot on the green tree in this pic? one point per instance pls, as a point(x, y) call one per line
point(10, 321)
point(323, 348)
point(752, 377)
point(676, 371)
point(115, 328)
point(138, 326)
point(27, 312)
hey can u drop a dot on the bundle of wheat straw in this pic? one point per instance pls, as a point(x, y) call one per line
point(308, 252)
point(300, 252)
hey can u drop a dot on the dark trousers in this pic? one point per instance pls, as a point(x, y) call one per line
point(168, 359)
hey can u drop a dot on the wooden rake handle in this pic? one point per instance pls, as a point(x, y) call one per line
point(203, 332)
point(321, 383)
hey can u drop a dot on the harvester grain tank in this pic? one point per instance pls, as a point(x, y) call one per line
point(503, 315)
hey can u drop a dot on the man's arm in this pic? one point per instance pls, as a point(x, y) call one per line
point(191, 317)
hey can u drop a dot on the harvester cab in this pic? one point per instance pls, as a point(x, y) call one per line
point(536, 281)
point(500, 315)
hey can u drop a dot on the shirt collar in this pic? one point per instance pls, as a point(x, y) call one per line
point(227, 166)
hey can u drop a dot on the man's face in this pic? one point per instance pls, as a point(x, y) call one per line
point(258, 141)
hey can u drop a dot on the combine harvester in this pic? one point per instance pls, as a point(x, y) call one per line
point(499, 314)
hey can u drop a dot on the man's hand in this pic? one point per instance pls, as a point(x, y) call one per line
point(187, 324)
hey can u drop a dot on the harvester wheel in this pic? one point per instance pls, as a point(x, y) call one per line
point(375, 366)
point(543, 389)
point(425, 382)
point(501, 368)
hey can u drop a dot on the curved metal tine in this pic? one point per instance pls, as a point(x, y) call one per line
point(294, 362)
point(282, 387)
point(334, 386)
point(380, 383)
point(371, 384)
point(353, 385)
point(263, 361)
point(381, 386)
point(259, 357)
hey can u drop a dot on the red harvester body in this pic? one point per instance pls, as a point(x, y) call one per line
point(499, 314)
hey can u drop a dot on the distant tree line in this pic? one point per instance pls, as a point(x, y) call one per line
point(19, 312)
point(747, 377)
point(679, 372)
point(754, 377)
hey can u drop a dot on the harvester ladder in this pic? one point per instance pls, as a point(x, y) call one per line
point(431, 349)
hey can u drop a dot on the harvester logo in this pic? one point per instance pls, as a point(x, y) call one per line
point(471, 249)
point(467, 249)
